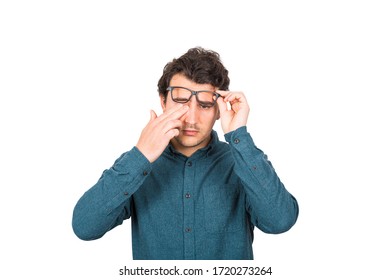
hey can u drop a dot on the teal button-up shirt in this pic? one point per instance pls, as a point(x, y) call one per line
point(202, 207)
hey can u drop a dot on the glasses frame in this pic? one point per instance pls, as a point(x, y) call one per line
point(193, 92)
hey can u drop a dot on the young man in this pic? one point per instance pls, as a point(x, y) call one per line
point(189, 195)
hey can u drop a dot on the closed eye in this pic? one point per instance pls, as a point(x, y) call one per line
point(181, 100)
point(205, 105)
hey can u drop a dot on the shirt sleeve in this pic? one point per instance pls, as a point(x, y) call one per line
point(271, 207)
point(108, 202)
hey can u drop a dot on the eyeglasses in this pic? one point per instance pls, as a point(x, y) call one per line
point(205, 98)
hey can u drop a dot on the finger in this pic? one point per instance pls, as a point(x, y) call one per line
point(222, 105)
point(172, 124)
point(153, 115)
point(172, 133)
point(234, 97)
point(223, 93)
point(176, 111)
point(228, 95)
point(177, 114)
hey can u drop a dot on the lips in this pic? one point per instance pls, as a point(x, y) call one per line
point(189, 132)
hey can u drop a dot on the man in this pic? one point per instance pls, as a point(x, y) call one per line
point(189, 195)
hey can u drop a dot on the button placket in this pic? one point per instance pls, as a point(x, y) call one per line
point(188, 204)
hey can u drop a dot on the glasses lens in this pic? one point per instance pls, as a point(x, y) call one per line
point(207, 96)
point(180, 95)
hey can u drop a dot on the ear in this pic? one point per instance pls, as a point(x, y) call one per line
point(163, 102)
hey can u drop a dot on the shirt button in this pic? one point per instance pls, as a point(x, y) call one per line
point(188, 229)
point(189, 163)
point(236, 141)
point(126, 193)
point(145, 173)
point(188, 195)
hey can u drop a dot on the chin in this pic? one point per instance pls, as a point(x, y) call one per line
point(187, 141)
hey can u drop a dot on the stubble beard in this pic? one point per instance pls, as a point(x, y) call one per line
point(190, 144)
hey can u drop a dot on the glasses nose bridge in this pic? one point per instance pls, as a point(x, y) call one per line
point(193, 93)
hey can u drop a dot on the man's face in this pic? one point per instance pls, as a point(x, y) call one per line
point(197, 123)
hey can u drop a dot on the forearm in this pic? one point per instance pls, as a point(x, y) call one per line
point(272, 208)
point(107, 203)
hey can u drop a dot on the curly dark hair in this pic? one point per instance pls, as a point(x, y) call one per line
point(200, 66)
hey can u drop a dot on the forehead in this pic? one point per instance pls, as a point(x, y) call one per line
point(182, 81)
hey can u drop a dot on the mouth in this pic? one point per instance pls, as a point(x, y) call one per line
point(190, 132)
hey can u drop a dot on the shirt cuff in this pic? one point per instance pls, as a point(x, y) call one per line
point(242, 141)
point(130, 161)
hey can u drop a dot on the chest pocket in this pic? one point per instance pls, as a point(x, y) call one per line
point(224, 208)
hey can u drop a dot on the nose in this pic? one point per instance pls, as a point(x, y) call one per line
point(190, 116)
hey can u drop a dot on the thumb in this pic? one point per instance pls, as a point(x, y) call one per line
point(222, 106)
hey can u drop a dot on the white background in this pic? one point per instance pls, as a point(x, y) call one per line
point(77, 81)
